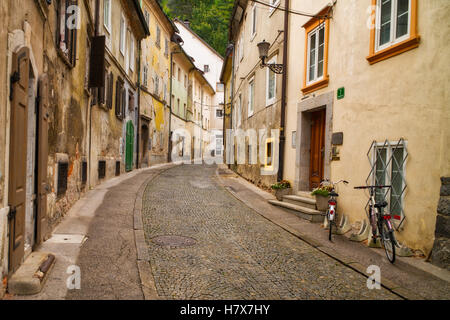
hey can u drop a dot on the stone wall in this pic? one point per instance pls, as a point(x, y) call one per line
point(440, 255)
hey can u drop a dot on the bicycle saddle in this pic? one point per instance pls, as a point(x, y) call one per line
point(381, 204)
point(334, 194)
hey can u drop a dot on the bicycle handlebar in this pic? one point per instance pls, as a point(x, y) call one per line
point(372, 187)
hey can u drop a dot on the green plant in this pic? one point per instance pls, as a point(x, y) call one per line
point(323, 190)
point(283, 184)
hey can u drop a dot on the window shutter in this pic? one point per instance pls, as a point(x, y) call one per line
point(97, 63)
point(110, 90)
point(118, 90)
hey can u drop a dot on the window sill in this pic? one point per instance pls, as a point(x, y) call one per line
point(252, 37)
point(394, 50)
point(64, 58)
point(316, 85)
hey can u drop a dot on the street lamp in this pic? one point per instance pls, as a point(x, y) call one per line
point(263, 48)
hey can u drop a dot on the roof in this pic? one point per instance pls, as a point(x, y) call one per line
point(236, 17)
point(228, 55)
point(198, 37)
point(137, 7)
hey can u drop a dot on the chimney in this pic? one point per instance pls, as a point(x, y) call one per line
point(187, 23)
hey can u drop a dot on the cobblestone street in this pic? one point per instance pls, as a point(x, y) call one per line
point(237, 254)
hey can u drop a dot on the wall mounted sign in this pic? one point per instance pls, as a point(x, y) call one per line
point(341, 93)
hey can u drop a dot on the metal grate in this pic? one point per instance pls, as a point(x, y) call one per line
point(62, 178)
point(101, 169)
point(387, 161)
point(117, 168)
point(83, 172)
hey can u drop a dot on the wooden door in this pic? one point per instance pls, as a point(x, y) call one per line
point(18, 156)
point(317, 148)
point(42, 158)
point(129, 149)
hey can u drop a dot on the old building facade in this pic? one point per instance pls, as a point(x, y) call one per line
point(356, 107)
point(70, 130)
point(155, 88)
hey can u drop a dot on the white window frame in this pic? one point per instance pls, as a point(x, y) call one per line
point(274, 5)
point(270, 101)
point(132, 57)
point(251, 98)
point(393, 144)
point(393, 21)
point(239, 111)
point(254, 21)
point(316, 32)
point(107, 15)
point(123, 34)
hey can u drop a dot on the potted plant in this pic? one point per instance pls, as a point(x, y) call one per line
point(322, 194)
point(282, 188)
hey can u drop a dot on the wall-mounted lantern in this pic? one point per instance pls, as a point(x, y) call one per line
point(263, 48)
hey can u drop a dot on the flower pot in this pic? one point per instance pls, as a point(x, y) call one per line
point(279, 193)
point(321, 203)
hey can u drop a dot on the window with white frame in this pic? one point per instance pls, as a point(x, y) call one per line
point(123, 35)
point(132, 58)
point(251, 96)
point(393, 21)
point(271, 84)
point(107, 14)
point(389, 169)
point(253, 29)
point(316, 54)
point(274, 4)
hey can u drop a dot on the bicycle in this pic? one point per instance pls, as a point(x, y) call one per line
point(331, 214)
point(381, 222)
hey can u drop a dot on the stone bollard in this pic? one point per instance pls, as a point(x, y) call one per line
point(362, 234)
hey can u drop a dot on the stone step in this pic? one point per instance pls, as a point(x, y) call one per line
point(303, 212)
point(300, 201)
point(305, 194)
point(32, 274)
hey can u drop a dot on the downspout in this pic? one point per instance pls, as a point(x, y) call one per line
point(96, 27)
point(169, 147)
point(139, 106)
point(232, 94)
point(284, 92)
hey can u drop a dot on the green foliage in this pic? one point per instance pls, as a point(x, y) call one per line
point(323, 190)
point(208, 18)
point(283, 184)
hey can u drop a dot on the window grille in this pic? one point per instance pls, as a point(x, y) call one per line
point(62, 178)
point(387, 161)
point(83, 172)
point(101, 169)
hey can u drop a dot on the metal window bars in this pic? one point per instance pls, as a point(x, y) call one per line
point(389, 159)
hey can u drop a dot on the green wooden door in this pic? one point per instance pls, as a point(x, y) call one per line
point(129, 146)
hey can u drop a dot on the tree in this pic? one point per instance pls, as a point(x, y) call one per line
point(208, 18)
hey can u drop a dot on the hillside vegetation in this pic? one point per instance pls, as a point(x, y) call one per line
point(208, 18)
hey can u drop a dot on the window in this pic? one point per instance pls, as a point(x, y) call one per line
point(117, 168)
point(101, 169)
point(184, 111)
point(271, 83)
point(145, 75)
point(390, 170)
point(130, 101)
point(253, 21)
point(178, 107)
point(395, 28)
point(158, 37)
point(109, 90)
point(206, 68)
point(123, 30)
point(316, 54)
point(274, 4)
point(316, 50)
point(268, 163)
point(241, 47)
point(251, 96)
point(84, 168)
point(132, 58)
point(219, 113)
point(166, 48)
point(63, 168)
point(120, 99)
point(179, 75)
point(66, 35)
point(185, 81)
point(239, 111)
point(219, 142)
point(147, 18)
point(156, 86)
point(220, 87)
point(107, 14)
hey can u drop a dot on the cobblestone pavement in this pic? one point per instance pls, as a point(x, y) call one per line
point(238, 253)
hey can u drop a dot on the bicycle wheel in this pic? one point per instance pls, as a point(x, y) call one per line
point(330, 230)
point(387, 237)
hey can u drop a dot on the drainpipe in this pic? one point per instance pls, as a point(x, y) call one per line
point(169, 152)
point(96, 27)
point(284, 92)
point(232, 92)
point(139, 105)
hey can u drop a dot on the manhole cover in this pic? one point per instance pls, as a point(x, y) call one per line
point(174, 241)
